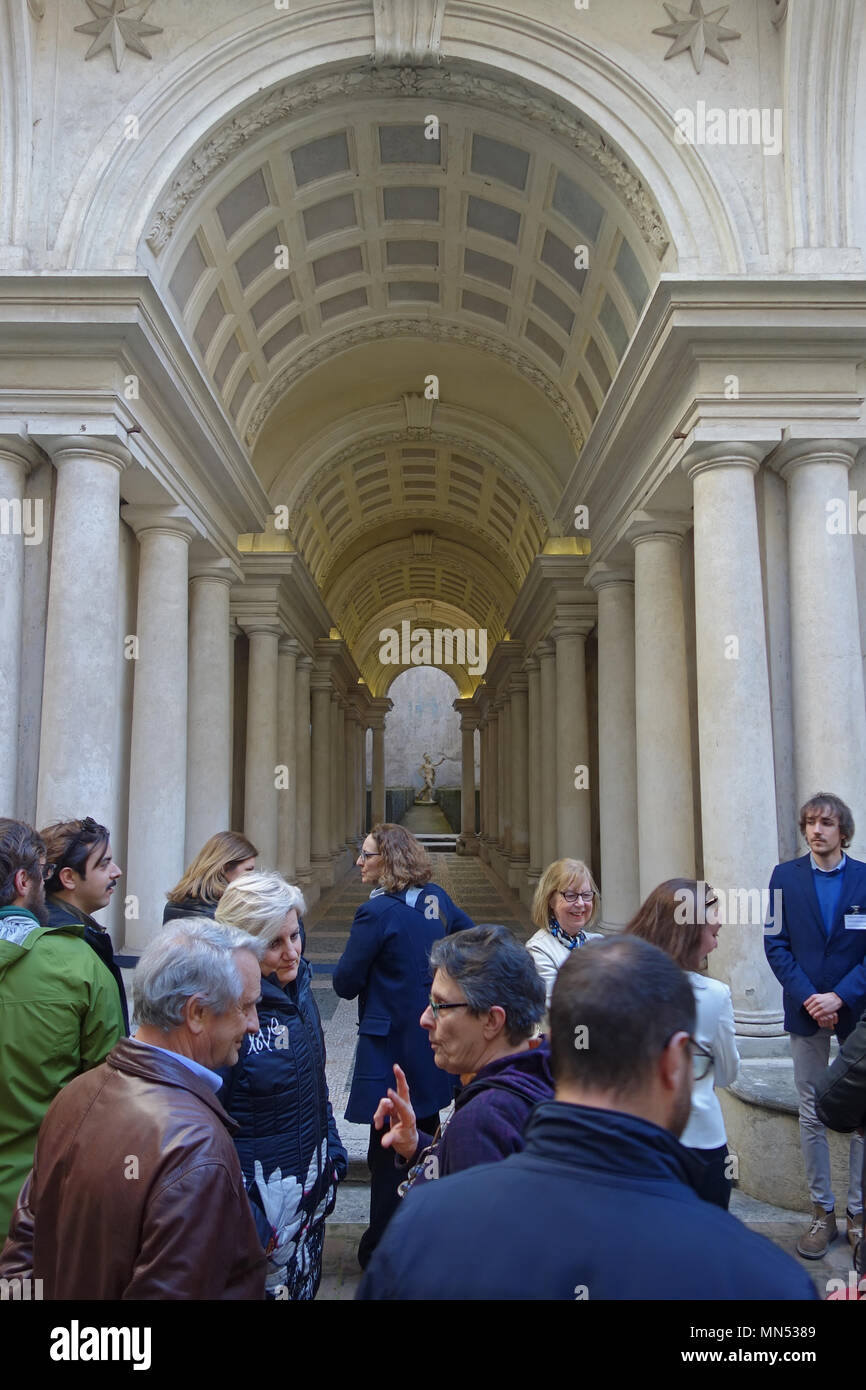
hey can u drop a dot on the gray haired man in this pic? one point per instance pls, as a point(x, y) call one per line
point(136, 1191)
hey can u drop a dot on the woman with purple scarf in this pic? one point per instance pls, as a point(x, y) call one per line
point(485, 1005)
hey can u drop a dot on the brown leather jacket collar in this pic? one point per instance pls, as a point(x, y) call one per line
point(138, 1059)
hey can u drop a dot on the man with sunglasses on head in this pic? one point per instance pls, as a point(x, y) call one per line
point(85, 877)
point(60, 1013)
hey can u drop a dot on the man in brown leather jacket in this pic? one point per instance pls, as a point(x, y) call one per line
point(136, 1190)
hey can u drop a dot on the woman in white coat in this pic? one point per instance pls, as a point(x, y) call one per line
point(681, 916)
point(566, 903)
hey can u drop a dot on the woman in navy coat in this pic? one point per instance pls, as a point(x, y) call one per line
point(289, 1149)
point(386, 966)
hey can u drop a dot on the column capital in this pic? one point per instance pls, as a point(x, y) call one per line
point(532, 664)
point(519, 683)
point(166, 520)
point(469, 717)
point(18, 449)
point(106, 448)
point(289, 646)
point(253, 626)
point(657, 526)
point(304, 663)
point(704, 457)
point(572, 627)
point(794, 452)
point(605, 576)
point(546, 649)
point(216, 571)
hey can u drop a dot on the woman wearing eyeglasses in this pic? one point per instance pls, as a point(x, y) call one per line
point(566, 902)
point(386, 967)
point(681, 916)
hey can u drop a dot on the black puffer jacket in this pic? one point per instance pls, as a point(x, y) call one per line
point(189, 907)
point(288, 1142)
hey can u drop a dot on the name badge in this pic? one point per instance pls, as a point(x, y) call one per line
point(855, 920)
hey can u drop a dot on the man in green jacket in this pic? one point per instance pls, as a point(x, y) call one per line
point(59, 1006)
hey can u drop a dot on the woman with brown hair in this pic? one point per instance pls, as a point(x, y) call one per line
point(217, 864)
point(681, 917)
point(386, 965)
point(566, 902)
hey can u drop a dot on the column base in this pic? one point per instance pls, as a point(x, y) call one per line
point(323, 870)
point(517, 871)
point(468, 844)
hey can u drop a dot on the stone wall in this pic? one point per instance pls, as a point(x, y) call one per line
point(423, 721)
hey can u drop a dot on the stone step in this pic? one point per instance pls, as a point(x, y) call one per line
point(438, 844)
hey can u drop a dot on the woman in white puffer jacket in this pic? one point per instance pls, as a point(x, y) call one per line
point(566, 902)
point(681, 916)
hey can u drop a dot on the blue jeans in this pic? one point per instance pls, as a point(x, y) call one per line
point(811, 1056)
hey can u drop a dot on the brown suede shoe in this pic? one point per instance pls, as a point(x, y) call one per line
point(820, 1236)
point(855, 1228)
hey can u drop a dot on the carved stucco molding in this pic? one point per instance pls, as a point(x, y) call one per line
point(437, 329)
point(462, 84)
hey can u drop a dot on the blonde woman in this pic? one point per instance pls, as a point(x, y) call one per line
point(217, 864)
point(566, 903)
point(288, 1144)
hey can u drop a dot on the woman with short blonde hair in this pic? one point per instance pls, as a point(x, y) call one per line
point(218, 863)
point(290, 1151)
point(566, 902)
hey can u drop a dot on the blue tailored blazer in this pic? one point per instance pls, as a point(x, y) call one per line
point(386, 965)
point(434, 902)
point(804, 958)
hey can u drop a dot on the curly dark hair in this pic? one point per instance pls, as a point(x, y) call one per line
point(20, 848)
point(405, 861)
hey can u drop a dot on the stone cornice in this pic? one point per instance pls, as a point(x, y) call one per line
point(176, 432)
point(555, 585)
point(697, 339)
point(280, 585)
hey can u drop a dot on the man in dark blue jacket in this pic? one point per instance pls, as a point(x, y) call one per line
point(599, 1204)
point(816, 946)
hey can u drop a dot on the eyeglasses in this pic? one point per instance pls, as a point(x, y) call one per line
point(369, 853)
point(572, 897)
point(702, 1059)
point(436, 1008)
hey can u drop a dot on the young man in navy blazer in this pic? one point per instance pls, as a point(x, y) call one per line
point(819, 957)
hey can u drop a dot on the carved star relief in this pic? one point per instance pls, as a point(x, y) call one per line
point(699, 32)
point(118, 26)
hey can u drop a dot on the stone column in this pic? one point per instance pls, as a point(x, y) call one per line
point(321, 754)
point(492, 740)
point(549, 772)
point(303, 869)
point(209, 734)
point(484, 799)
point(666, 814)
point(826, 661)
point(519, 765)
point(617, 757)
point(377, 808)
point(158, 761)
point(573, 807)
point(360, 778)
point(468, 725)
point(350, 726)
point(507, 773)
point(287, 758)
point(338, 776)
point(533, 672)
point(735, 732)
point(76, 750)
point(15, 459)
point(260, 789)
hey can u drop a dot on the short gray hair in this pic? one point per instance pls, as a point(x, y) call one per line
point(194, 956)
point(492, 967)
point(259, 903)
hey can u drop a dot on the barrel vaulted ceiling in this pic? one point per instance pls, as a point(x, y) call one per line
point(407, 256)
